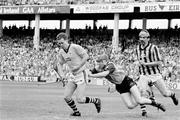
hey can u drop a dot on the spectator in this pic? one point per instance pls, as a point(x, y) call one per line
point(19, 58)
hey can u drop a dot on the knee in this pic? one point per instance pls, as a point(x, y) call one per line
point(80, 100)
point(145, 94)
point(166, 93)
point(67, 98)
point(139, 102)
point(130, 106)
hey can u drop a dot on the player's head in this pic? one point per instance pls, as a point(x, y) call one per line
point(62, 40)
point(144, 36)
point(101, 62)
point(102, 58)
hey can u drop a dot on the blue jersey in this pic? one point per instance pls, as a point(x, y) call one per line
point(115, 76)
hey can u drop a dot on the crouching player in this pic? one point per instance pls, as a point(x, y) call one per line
point(124, 84)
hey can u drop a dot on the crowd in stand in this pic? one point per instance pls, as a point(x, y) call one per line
point(19, 57)
point(58, 2)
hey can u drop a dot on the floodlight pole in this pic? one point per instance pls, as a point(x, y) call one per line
point(37, 32)
point(144, 23)
point(60, 26)
point(94, 24)
point(29, 23)
point(115, 39)
point(130, 23)
point(68, 27)
point(169, 23)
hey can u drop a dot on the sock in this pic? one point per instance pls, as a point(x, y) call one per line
point(152, 97)
point(143, 107)
point(172, 94)
point(91, 100)
point(72, 105)
point(153, 102)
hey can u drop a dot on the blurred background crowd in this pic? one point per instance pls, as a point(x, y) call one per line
point(59, 2)
point(19, 57)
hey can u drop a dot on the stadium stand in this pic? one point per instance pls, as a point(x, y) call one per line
point(20, 58)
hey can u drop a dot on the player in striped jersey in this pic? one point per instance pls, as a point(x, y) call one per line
point(123, 84)
point(150, 63)
point(76, 58)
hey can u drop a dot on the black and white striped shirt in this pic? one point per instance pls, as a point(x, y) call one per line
point(148, 54)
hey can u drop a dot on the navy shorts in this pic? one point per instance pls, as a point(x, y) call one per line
point(126, 85)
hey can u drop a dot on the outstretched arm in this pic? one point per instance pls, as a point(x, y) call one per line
point(99, 75)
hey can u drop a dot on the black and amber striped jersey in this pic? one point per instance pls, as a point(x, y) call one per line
point(148, 54)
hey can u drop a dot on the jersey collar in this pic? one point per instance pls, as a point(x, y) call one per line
point(144, 47)
point(66, 50)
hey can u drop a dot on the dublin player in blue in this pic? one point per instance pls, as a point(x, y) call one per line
point(124, 85)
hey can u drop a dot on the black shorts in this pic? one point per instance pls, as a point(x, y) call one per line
point(126, 85)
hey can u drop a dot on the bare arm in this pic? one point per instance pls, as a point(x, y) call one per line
point(60, 71)
point(99, 75)
point(58, 67)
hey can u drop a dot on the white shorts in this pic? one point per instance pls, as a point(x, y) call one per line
point(79, 78)
point(144, 80)
point(150, 78)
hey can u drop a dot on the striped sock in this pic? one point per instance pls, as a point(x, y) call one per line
point(72, 104)
point(143, 107)
point(91, 100)
point(172, 94)
point(152, 97)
